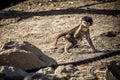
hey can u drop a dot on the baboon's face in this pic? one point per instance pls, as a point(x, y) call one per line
point(85, 24)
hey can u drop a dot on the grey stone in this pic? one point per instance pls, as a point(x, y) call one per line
point(20, 59)
point(12, 72)
point(65, 71)
point(48, 70)
point(24, 55)
point(90, 77)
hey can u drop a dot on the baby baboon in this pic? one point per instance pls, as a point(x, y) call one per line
point(72, 36)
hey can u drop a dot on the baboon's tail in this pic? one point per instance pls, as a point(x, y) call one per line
point(57, 37)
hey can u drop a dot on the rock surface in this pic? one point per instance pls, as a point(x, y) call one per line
point(23, 55)
point(20, 58)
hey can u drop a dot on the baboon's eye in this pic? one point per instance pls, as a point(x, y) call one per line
point(87, 22)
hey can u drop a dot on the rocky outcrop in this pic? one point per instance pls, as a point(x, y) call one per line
point(23, 55)
point(22, 45)
point(20, 58)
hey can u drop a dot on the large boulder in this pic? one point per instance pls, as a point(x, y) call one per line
point(24, 55)
point(20, 58)
point(23, 45)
